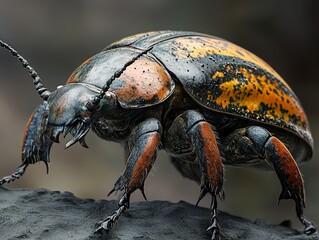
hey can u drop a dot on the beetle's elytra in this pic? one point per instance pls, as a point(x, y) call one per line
point(177, 91)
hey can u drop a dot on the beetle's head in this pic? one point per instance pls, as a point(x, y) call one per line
point(68, 112)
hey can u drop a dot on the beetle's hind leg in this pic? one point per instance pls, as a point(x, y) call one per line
point(255, 142)
point(290, 178)
point(141, 149)
point(190, 131)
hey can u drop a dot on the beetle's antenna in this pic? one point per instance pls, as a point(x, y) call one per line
point(91, 106)
point(42, 91)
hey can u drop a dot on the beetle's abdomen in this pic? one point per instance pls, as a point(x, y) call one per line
point(224, 77)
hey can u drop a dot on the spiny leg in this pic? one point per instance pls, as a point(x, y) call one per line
point(214, 224)
point(245, 145)
point(143, 144)
point(209, 159)
point(191, 128)
point(290, 177)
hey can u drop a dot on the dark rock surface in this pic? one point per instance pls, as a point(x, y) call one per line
point(44, 214)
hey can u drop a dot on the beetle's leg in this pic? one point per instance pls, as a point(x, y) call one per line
point(36, 145)
point(143, 144)
point(257, 143)
point(190, 128)
point(290, 177)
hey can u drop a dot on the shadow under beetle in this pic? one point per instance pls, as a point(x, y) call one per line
point(196, 96)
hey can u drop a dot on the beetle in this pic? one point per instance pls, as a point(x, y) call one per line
point(206, 101)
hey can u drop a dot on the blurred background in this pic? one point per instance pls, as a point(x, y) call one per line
point(57, 36)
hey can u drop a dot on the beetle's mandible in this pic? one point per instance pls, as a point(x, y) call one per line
point(196, 96)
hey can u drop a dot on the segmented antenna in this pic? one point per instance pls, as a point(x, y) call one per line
point(91, 106)
point(42, 91)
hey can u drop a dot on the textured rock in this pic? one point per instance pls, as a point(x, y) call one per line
point(44, 214)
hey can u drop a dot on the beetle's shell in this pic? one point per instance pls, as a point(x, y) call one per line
point(217, 74)
point(144, 83)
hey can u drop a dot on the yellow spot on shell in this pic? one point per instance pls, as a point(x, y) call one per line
point(200, 47)
point(255, 91)
point(218, 74)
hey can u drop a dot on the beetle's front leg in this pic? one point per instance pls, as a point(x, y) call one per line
point(143, 144)
point(36, 144)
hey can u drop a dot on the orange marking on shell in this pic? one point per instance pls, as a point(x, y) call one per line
point(212, 155)
point(288, 165)
point(203, 46)
point(218, 74)
point(252, 94)
point(145, 79)
point(27, 129)
point(144, 162)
